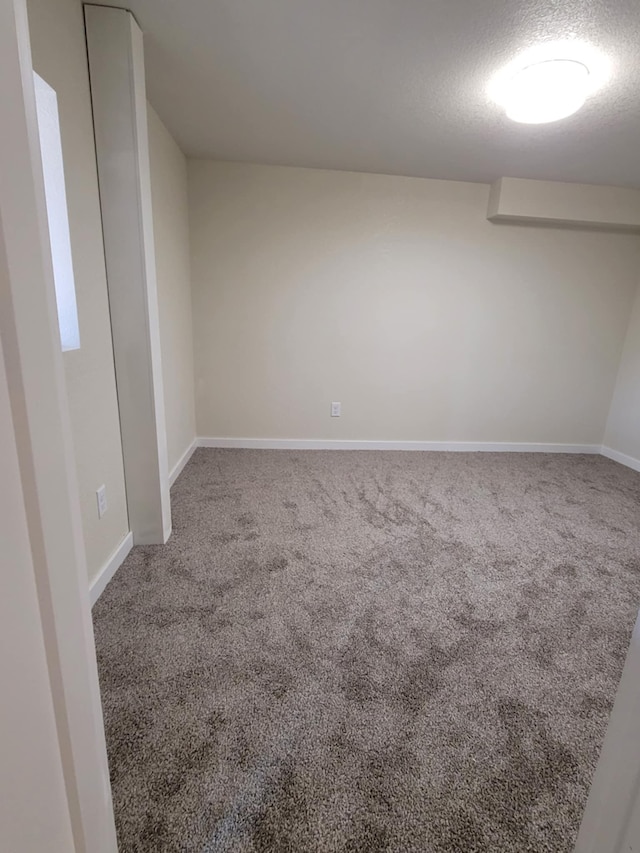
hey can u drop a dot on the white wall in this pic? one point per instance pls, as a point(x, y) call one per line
point(50, 505)
point(60, 58)
point(611, 819)
point(34, 812)
point(396, 297)
point(171, 231)
point(623, 427)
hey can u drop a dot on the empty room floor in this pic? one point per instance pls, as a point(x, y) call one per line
point(363, 651)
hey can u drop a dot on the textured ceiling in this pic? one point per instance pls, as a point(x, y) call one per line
point(390, 86)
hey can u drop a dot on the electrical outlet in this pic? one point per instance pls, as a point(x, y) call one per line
point(336, 410)
point(101, 495)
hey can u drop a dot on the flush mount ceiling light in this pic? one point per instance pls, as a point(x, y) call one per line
point(549, 83)
point(547, 91)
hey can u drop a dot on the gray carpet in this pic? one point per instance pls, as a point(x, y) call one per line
point(359, 651)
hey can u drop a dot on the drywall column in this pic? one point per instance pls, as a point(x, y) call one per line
point(116, 68)
point(31, 774)
point(622, 437)
point(42, 553)
point(611, 821)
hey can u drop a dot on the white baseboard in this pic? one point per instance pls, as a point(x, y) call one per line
point(98, 584)
point(186, 456)
point(622, 458)
point(450, 446)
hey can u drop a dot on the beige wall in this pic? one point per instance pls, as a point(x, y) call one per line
point(397, 298)
point(59, 56)
point(171, 233)
point(623, 427)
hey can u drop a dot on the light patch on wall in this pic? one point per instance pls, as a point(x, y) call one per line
point(57, 214)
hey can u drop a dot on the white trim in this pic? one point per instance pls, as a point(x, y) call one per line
point(450, 446)
point(622, 458)
point(178, 467)
point(98, 584)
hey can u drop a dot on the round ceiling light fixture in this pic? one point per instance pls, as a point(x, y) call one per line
point(546, 91)
point(549, 82)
